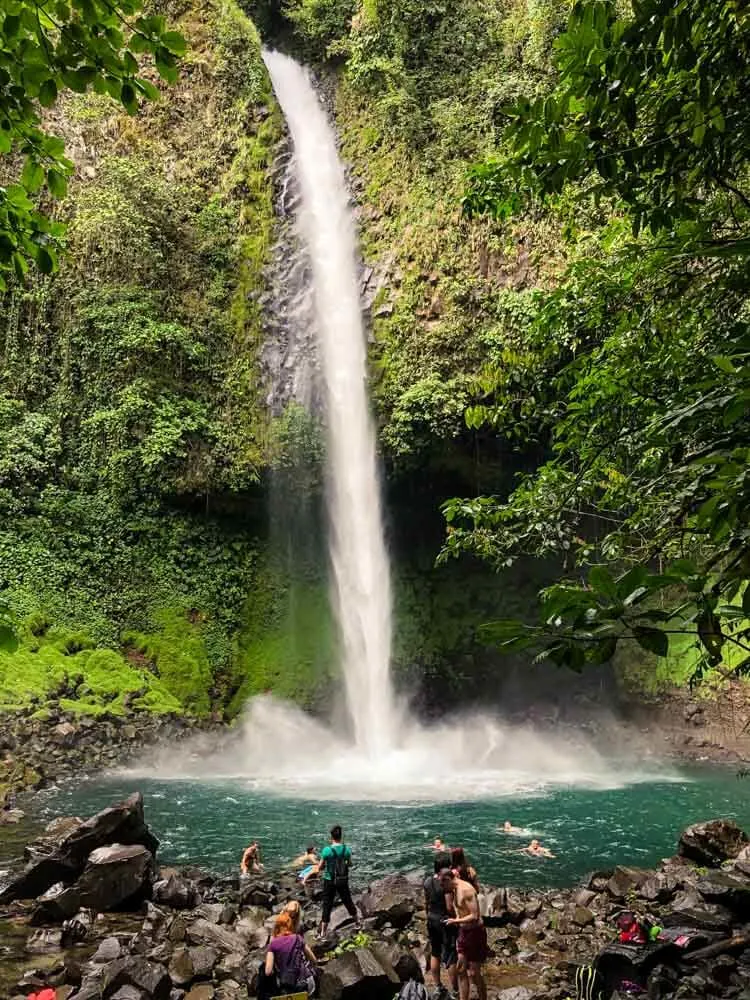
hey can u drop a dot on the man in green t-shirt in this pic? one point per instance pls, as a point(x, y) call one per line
point(334, 864)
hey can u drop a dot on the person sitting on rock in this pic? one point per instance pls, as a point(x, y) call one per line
point(462, 868)
point(335, 860)
point(442, 937)
point(536, 850)
point(471, 944)
point(310, 857)
point(251, 859)
point(290, 958)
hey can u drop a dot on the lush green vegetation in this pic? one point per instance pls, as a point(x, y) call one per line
point(46, 49)
point(129, 392)
point(554, 203)
point(644, 344)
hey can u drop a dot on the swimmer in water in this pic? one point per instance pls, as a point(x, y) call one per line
point(536, 850)
point(438, 845)
point(508, 828)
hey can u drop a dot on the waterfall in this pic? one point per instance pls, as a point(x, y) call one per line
point(359, 560)
point(388, 754)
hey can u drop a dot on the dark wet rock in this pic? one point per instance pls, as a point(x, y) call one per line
point(149, 977)
point(204, 958)
point(358, 975)
point(727, 890)
point(233, 966)
point(61, 854)
point(625, 880)
point(203, 931)
point(689, 909)
point(108, 951)
point(203, 991)
point(392, 900)
point(129, 993)
point(582, 916)
point(176, 892)
point(659, 888)
point(712, 843)
point(115, 876)
point(255, 893)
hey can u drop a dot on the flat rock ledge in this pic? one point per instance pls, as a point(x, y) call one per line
point(93, 917)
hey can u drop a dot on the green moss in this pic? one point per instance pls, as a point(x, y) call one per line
point(179, 657)
point(288, 642)
point(101, 679)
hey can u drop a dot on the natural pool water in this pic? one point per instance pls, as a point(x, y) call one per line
point(209, 823)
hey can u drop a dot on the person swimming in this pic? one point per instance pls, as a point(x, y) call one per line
point(438, 846)
point(513, 831)
point(536, 850)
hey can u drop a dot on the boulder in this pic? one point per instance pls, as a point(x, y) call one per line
point(108, 951)
point(713, 842)
point(115, 876)
point(149, 977)
point(233, 966)
point(181, 967)
point(204, 991)
point(659, 888)
point(690, 910)
point(216, 935)
point(203, 958)
point(176, 892)
point(726, 890)
point(392, 900)
point(62, 852)
point(358, 975)
point(625, 880)
point(582, 916)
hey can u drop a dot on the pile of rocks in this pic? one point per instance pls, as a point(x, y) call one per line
point(189, 936)
point(36, 751)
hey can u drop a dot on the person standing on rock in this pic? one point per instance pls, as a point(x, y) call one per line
point(462, 868)
point(442, 937)
point(334, 864)
point(289, 958)
point(472, 936)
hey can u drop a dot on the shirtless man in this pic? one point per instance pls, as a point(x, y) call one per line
point(508, 828)
point(251, 859)
point(472, 936)
point(536, 850)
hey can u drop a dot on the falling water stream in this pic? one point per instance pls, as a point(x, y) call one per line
point(361, 574)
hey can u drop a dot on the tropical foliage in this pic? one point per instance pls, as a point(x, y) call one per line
point(46, 49)
point(638, 363)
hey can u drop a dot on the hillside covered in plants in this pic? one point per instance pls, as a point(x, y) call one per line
point(553, 207)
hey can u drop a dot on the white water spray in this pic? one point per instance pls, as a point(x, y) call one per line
point(361, 574)
point(391, 756)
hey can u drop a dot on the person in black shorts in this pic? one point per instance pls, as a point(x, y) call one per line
point(335, 860)
point(442, 937)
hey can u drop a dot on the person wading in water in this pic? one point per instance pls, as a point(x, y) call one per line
point(472, 936)
point(335, 860)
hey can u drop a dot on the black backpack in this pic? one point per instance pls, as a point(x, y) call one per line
point(340, 868)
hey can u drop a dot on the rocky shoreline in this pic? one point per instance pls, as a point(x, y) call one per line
point(93, 917)
point(37, 751)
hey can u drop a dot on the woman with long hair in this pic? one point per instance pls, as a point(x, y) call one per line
point(462, 868)
point(289, 958)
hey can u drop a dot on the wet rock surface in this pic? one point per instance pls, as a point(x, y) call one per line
point(186, 934)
